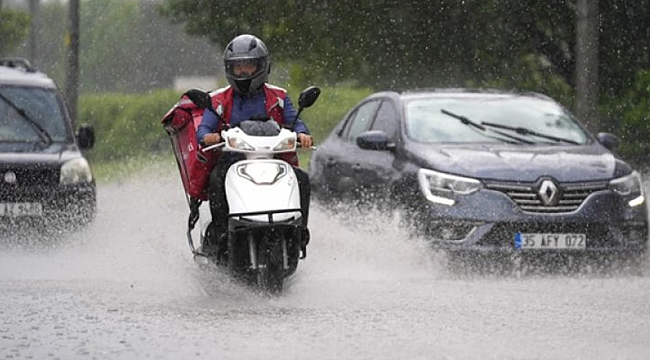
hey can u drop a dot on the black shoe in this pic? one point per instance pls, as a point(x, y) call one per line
point(211, 241)
point(222, 240)
point(208, 248)
point(304, 240)
point(304, 237)
point(221, 248)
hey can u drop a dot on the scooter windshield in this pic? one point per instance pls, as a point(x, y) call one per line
point(260, 128)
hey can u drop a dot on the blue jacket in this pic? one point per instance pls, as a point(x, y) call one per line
point(245, 107)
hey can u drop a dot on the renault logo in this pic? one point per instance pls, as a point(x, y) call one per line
point(10, 177)
point(548, 192)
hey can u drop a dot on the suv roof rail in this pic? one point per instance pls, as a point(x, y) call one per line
point(17, 63)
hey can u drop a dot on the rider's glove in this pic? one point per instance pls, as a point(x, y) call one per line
point(305, 140)
point(211, 139)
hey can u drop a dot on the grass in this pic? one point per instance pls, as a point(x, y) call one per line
point(106, 172)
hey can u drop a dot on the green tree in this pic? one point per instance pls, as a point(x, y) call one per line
point(630, 117)
point(389, 43)
point(14, 27)
point(125, 46)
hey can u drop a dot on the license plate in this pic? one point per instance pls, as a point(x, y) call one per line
point(550, 241)
point(21, 209)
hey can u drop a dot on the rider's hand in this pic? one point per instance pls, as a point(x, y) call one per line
point(211, 139)
point(305, 140)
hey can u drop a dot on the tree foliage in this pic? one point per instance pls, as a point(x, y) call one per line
point(391, 43)
point(630, 117)
point(125, 46)
point(14, 27)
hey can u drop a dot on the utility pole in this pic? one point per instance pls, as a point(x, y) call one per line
point(33, 32)
point(587, 84)
point(72, 73)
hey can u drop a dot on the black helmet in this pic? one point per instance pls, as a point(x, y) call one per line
point(247, 50)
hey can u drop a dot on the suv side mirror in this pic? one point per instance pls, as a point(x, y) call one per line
point(608, 140)
point(86, 136)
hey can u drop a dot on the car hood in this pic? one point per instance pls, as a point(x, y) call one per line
point(28, 154)
point(520, 162)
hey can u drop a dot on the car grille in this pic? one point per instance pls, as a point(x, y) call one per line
point(27, 184)
point(528, 196)
point(23, 177)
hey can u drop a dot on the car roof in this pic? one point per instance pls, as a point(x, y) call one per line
point(18, 72)
point(409, 94)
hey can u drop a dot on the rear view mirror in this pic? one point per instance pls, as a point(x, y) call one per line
point(86, 136)
point(200, 98)
point(610, 141)
point(374, 140)
point(308, 96)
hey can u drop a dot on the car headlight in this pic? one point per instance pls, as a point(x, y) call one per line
point(441, 188)
point(236, 142)
point(288, 144)
point(629, 186)
point(75, 171)
point(262, 173)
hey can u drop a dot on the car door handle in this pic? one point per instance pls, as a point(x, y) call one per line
point(356, 167)
point(330, 162)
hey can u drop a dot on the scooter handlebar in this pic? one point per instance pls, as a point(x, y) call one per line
point(313, 147)
point(214, 147)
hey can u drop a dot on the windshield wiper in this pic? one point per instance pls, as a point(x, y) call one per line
point(525, 131)
point(463, 119)
point(466, 121)
point(45, 137)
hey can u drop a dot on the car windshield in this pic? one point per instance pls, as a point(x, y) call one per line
point(497, 119)
point(29, 114)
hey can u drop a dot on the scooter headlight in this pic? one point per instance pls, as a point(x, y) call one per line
point(441, 188)
point(630, 187)
point(262, 173)
point(236, 142)
point(288, 144)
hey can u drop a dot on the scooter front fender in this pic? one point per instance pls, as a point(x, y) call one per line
point(263, 185)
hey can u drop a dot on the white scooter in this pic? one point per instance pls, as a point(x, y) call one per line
point(265, 230)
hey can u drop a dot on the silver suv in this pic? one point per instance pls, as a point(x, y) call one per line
point(44, 178)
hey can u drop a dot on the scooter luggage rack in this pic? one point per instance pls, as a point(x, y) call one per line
point(191, 222)
point(190, 241)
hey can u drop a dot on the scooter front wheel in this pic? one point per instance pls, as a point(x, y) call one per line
point(270, 261)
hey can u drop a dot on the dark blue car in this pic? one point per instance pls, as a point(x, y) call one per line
point(486, 171)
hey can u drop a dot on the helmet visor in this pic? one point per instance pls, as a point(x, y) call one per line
point(243, 69)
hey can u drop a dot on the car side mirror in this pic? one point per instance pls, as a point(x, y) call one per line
point(608, 140)
point(374, 140)
point(308, 97)
point(86, 136)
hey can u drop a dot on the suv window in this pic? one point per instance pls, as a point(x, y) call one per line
point(23, 110)
point(360, 120)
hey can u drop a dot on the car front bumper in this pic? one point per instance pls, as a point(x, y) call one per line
point(488, 221)
point(58, 204)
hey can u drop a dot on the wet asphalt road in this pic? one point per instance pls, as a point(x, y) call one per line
point(127, 288)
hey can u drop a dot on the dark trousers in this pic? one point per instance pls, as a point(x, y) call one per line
point(217, 193)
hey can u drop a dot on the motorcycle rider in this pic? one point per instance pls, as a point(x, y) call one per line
point(248, 96)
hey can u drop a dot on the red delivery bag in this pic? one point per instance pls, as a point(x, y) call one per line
point(181, 123)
